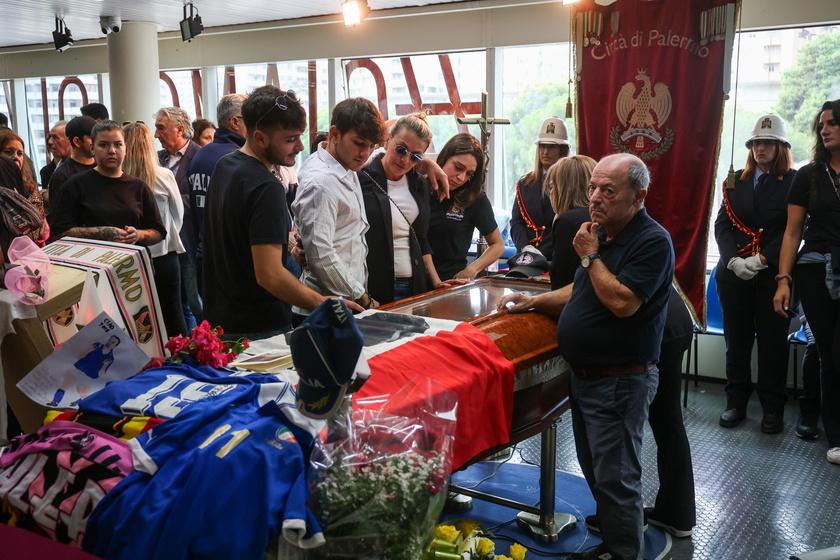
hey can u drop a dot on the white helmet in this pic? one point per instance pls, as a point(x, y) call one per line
point(553, 131)
point(769, 127)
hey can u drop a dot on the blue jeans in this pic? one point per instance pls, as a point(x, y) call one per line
point(191, 301)
point(403, 288)
point(608, 418)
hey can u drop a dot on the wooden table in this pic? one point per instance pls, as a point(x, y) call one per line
point(529, 341)
point(29, 345)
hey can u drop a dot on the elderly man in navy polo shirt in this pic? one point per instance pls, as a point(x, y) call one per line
point(610, 331)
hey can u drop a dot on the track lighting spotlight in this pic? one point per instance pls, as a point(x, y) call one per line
point(191, 26)
point(354, 11)
point(110, 24)
point(62, 38)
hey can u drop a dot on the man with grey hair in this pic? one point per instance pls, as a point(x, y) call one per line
point(173, 128)
point(230, 136)
point(58, 146)
point(610, 331)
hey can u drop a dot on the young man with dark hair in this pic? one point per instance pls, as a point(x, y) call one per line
point(247, 290)
point(96, 111)
point(78, 132)
point(329, 209)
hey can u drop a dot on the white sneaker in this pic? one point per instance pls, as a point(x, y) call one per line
point(833, 455)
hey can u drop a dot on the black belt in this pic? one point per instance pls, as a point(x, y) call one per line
point(604, 371)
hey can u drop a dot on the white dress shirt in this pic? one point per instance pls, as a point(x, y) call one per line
point(330, 215)
point(171, 209)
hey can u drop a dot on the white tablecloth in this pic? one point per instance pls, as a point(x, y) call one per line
point(10, 309)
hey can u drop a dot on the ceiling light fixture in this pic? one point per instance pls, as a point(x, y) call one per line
point(354, 11)
point(62, 38)
point(191, 26)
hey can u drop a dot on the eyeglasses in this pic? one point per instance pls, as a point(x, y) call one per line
point(403, 151)
point(126, 123)
point(762, 142)
point(281, 103)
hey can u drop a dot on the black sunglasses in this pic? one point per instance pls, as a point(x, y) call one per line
point(126, 123)
point(403, 151)
point(281, 102)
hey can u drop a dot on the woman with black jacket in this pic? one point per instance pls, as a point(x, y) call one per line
point(749, 230)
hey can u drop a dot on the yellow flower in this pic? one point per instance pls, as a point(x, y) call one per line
point(501, 557)
point(447, 533)
point(468, 527)
point(485, 546)
point(517, 551)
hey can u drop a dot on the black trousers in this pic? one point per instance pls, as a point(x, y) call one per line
point(748, 315)
point(168, 282)
point(809, 399)
point(823, 315)
point(675, 499)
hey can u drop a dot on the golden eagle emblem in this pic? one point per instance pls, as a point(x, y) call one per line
point(643, 113)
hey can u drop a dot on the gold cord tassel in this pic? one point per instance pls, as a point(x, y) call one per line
point(730, 179)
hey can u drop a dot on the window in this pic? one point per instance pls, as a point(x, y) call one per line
point(794, 85)
point(535, 87)
point(296, 76)
point(402, 78)
point(176, 90)
point(64, 96)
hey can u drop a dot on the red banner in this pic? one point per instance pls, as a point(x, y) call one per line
point(652, 75)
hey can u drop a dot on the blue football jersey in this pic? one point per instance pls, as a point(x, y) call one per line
point(163, 392)
point(220, 480)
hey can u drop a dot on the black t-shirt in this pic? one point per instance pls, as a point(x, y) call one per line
point(565, 260)
point(62, 173)
point(588, 334)
point(245, 206)
point(90, 199)
point(451, 232)
point(822, 228)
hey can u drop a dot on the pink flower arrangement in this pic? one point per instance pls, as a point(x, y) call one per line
point(204, 346)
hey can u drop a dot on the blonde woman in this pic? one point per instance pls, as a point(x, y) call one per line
point(396, 199)
point(566, 184)
point(141, 161)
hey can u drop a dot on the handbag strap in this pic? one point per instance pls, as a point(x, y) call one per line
point(407, 221)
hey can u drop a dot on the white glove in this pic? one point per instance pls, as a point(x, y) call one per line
point(531, 249)
point(739, 267)
point(754, 263)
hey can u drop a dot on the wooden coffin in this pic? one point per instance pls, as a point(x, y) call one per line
point(541, 389)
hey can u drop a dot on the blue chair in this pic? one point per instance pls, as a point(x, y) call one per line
point(714, 326)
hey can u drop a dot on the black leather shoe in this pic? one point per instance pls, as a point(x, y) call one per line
point(771, 422)
point(731, 417)
point(806, 427)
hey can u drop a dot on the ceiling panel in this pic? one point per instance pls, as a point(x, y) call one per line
point(31, 22)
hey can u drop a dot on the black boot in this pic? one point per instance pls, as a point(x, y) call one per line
point(809, 416)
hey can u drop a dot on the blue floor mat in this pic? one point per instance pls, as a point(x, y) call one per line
point(521, 483)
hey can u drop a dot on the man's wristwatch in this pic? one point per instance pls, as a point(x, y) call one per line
point(586, 260)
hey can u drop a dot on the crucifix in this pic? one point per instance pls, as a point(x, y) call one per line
point(484, 123)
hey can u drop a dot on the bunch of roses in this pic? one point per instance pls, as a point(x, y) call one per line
point(205, 347)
